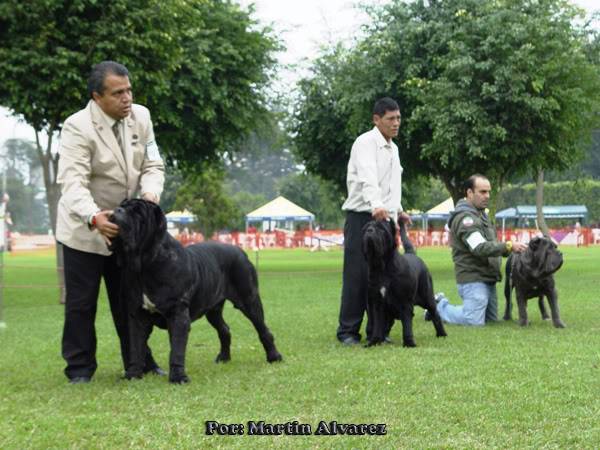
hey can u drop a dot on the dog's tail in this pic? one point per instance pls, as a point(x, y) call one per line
point(406, 243)
point(508, 287)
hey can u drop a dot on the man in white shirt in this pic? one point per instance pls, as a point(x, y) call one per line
point(374, 182)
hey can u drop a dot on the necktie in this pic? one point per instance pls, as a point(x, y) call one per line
point(117, 131)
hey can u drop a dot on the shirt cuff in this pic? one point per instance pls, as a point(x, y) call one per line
point(90, 220)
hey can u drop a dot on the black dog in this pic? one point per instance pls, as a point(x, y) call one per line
point(531, 273)
point(396, 282)
point(180, 285)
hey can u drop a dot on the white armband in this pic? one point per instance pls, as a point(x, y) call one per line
point(475, 239)
point(152, 153)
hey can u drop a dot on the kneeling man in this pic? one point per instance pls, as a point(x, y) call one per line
point(476, 254)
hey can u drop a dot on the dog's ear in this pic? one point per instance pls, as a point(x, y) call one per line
point(132, 255)
point(116, 247)
point(131, 290)
point(535, 243)
point(161, 220)
point(135, 262)
point(130, 239)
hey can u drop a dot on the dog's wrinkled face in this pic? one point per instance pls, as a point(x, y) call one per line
point(542, 258)
point(379, 239)
point(142, 224)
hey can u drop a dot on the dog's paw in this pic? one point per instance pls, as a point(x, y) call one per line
point(559, 324)
point(507, 317)
point(133, 375)
point(274, 357)
point(222, 358)
point(179, 379)
point(409, 343)
point(374, 341)
point(523, 322)
point(442, 334)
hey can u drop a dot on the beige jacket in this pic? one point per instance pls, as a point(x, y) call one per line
point(95, 176)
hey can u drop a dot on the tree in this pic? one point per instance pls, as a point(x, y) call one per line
point(244, 202)
point(499, 87)
point(260, 160)
point(199, 66)
point(174, 179)
point(203, 195)
point(216, 96)
point(321, 123)
point(22, 169)
point(315, 195)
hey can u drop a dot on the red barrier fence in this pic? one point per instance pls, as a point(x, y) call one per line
point(325, 239)
point(334, 238)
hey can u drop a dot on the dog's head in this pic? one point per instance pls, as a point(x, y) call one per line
point(142, 226)
point(542, 258)
point(379, 240)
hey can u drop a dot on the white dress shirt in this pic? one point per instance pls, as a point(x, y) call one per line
point(374, 178)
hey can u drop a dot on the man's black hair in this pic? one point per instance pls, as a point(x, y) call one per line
point(99, 73)
point(470, 182)
point(385, 104)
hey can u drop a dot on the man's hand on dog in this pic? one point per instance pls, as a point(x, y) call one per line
point(149, 196)
point(107, 229)
point(518, 247)
point(404, 218)
point(380, 214)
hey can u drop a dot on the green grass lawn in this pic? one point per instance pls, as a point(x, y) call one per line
point(500, 386)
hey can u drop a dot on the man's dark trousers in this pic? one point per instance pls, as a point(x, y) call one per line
point(83, 272)
point(354, 279)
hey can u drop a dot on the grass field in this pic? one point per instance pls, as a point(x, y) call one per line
point(500, 386)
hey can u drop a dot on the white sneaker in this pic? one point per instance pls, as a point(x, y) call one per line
point(437, 297)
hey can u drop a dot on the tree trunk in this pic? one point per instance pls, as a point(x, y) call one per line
point(50, 167)
point(456, 191)
point(539, 203)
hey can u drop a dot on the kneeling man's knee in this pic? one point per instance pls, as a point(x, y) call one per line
point(474, 311)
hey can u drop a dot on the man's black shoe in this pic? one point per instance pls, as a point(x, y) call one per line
point(155, 371)
point(350, 340)
point(80, 380)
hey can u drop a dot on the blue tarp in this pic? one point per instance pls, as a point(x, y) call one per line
point(520, 213)
point(550, 212)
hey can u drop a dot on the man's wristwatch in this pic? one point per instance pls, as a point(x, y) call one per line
point(509, 245)
point(92, 220)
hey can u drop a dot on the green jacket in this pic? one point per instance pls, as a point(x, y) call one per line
point(476, 253)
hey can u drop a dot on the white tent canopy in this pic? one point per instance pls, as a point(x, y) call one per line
point(280, 210)
point(443, 209)
point(180, 217)
point(438, 212)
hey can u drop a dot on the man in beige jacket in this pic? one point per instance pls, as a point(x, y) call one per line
point(108, 153)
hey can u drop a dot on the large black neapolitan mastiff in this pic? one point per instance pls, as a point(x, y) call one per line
point(396, 282)
point(170, 286)
point(531, 274)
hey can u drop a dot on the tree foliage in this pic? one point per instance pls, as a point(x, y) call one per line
point(260, 160)
point(21, 167)
point(199, 65)
point(216, 95)
point(204, 196)
point(315, 195)
point(499, 87)
point(580, 192)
